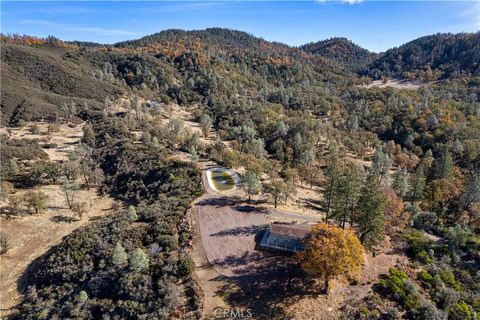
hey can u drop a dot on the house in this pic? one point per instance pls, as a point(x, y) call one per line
point(285, 237)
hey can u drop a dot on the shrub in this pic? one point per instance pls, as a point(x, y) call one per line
point(418, 246)
point(36, 201)
point(425, 277)
point(448, 278)
point(445, 297)
point(186, 266)
point(5, 189)
point(80, 208)
point(424, 220)
point(458, 235)
point(82, 297)
point(4, 243)
point(398, 286)
point(132, 213)
point(138, 260)
point(428, 310)
point(460, 311)
point(119, 256)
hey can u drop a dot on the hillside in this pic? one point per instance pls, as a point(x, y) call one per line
point(341, 50)
point(36, 81)
point(438, 56)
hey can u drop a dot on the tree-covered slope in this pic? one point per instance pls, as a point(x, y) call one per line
point(429, 58)
point(342, 51)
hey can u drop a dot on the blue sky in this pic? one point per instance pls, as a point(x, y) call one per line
point(375, 25)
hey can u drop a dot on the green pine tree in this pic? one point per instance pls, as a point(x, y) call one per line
point(331, 178)
point(400, 182)
point(251, 183)
point(418, 185)
point(369, 215)
point(444, 165)
point(346, 194)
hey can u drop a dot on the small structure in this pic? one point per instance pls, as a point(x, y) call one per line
point(285, 237)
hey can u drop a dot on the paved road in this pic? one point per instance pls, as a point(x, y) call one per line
point(284, 214)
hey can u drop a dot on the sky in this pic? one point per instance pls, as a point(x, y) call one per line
point(375, 25)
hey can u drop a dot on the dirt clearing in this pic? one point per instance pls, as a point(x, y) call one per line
point(228, 235)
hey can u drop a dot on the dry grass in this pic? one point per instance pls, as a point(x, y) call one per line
point(31, 236)
point(65, 138)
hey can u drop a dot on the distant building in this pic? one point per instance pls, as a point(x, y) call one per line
point(285, 237)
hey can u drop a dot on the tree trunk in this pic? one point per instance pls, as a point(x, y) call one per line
point(326, 289)
point(330, 194)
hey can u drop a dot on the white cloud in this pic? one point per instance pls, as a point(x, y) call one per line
point(94, 30)
point(38, 22)
point(341, 1)
point(102, 31)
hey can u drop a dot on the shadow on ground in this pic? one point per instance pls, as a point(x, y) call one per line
point(270, 283)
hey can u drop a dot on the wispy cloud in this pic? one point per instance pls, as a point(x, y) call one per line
point(340, 1)
point(38, 22)
point(171, 7)
point(469, 19)
point(65, 10)
point(93, 30)
point(103, 31)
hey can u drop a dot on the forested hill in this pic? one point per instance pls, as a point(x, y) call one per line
point(216, 37)
point(342, 51)
point(430, 58)
point(213, 65)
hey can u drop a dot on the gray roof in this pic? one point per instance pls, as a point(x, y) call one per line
point(285, 237)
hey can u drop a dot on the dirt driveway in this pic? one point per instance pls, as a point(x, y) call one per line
point(228, 235)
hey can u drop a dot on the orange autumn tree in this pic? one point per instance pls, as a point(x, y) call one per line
point(331, 252)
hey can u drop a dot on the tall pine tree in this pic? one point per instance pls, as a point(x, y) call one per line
point(332, 176)
point(346, 194)
point(418, 185)
point(400, 182)
point(369, 215)
point(443, 165)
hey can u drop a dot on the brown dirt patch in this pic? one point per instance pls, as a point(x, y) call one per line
point(228, 235)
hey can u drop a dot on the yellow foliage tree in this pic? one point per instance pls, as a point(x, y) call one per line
point(331, 252)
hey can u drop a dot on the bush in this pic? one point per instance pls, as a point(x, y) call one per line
point(37, 201)
point(82, 297)
point(425, 277)
point(4, 243)
point(80, 208)
point(460, 311)
point(448, 278)
point(186, 266)
point(419, 245)
point(425, 220)
point(398, 286)
point(458, 235)
point(138, 260)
